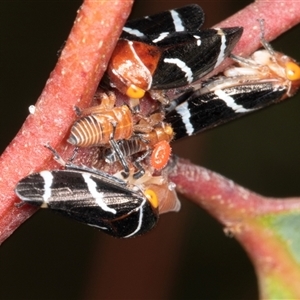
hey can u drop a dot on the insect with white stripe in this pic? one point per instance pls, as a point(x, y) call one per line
point(265, 78)
point(93, 197)
point(166, 51)
point(118, 207)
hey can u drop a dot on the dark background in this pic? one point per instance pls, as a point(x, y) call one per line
point(187, 256)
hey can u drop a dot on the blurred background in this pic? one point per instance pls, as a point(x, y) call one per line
point(187, 256)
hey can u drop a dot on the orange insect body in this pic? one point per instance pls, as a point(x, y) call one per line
point(159, 139)
point(131, 67)
point(160, 155)
point(158, 134)
point(98, 129)
point(102, 123)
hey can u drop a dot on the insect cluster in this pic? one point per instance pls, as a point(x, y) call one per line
point(155, 54)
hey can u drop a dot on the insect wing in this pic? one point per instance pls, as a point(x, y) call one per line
point(201, 112)
point(150, 28)
point(188, 56)
point(91, 199)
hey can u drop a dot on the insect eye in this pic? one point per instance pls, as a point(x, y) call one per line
point(135, 92)
point(152, 197)
point(292, 71)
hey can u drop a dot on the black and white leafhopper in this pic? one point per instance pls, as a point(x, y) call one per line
point(265, 78)
point(92, 197)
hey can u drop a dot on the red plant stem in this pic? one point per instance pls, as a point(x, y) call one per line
point(226, 201)
point(74, 80)
point(279, 16)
